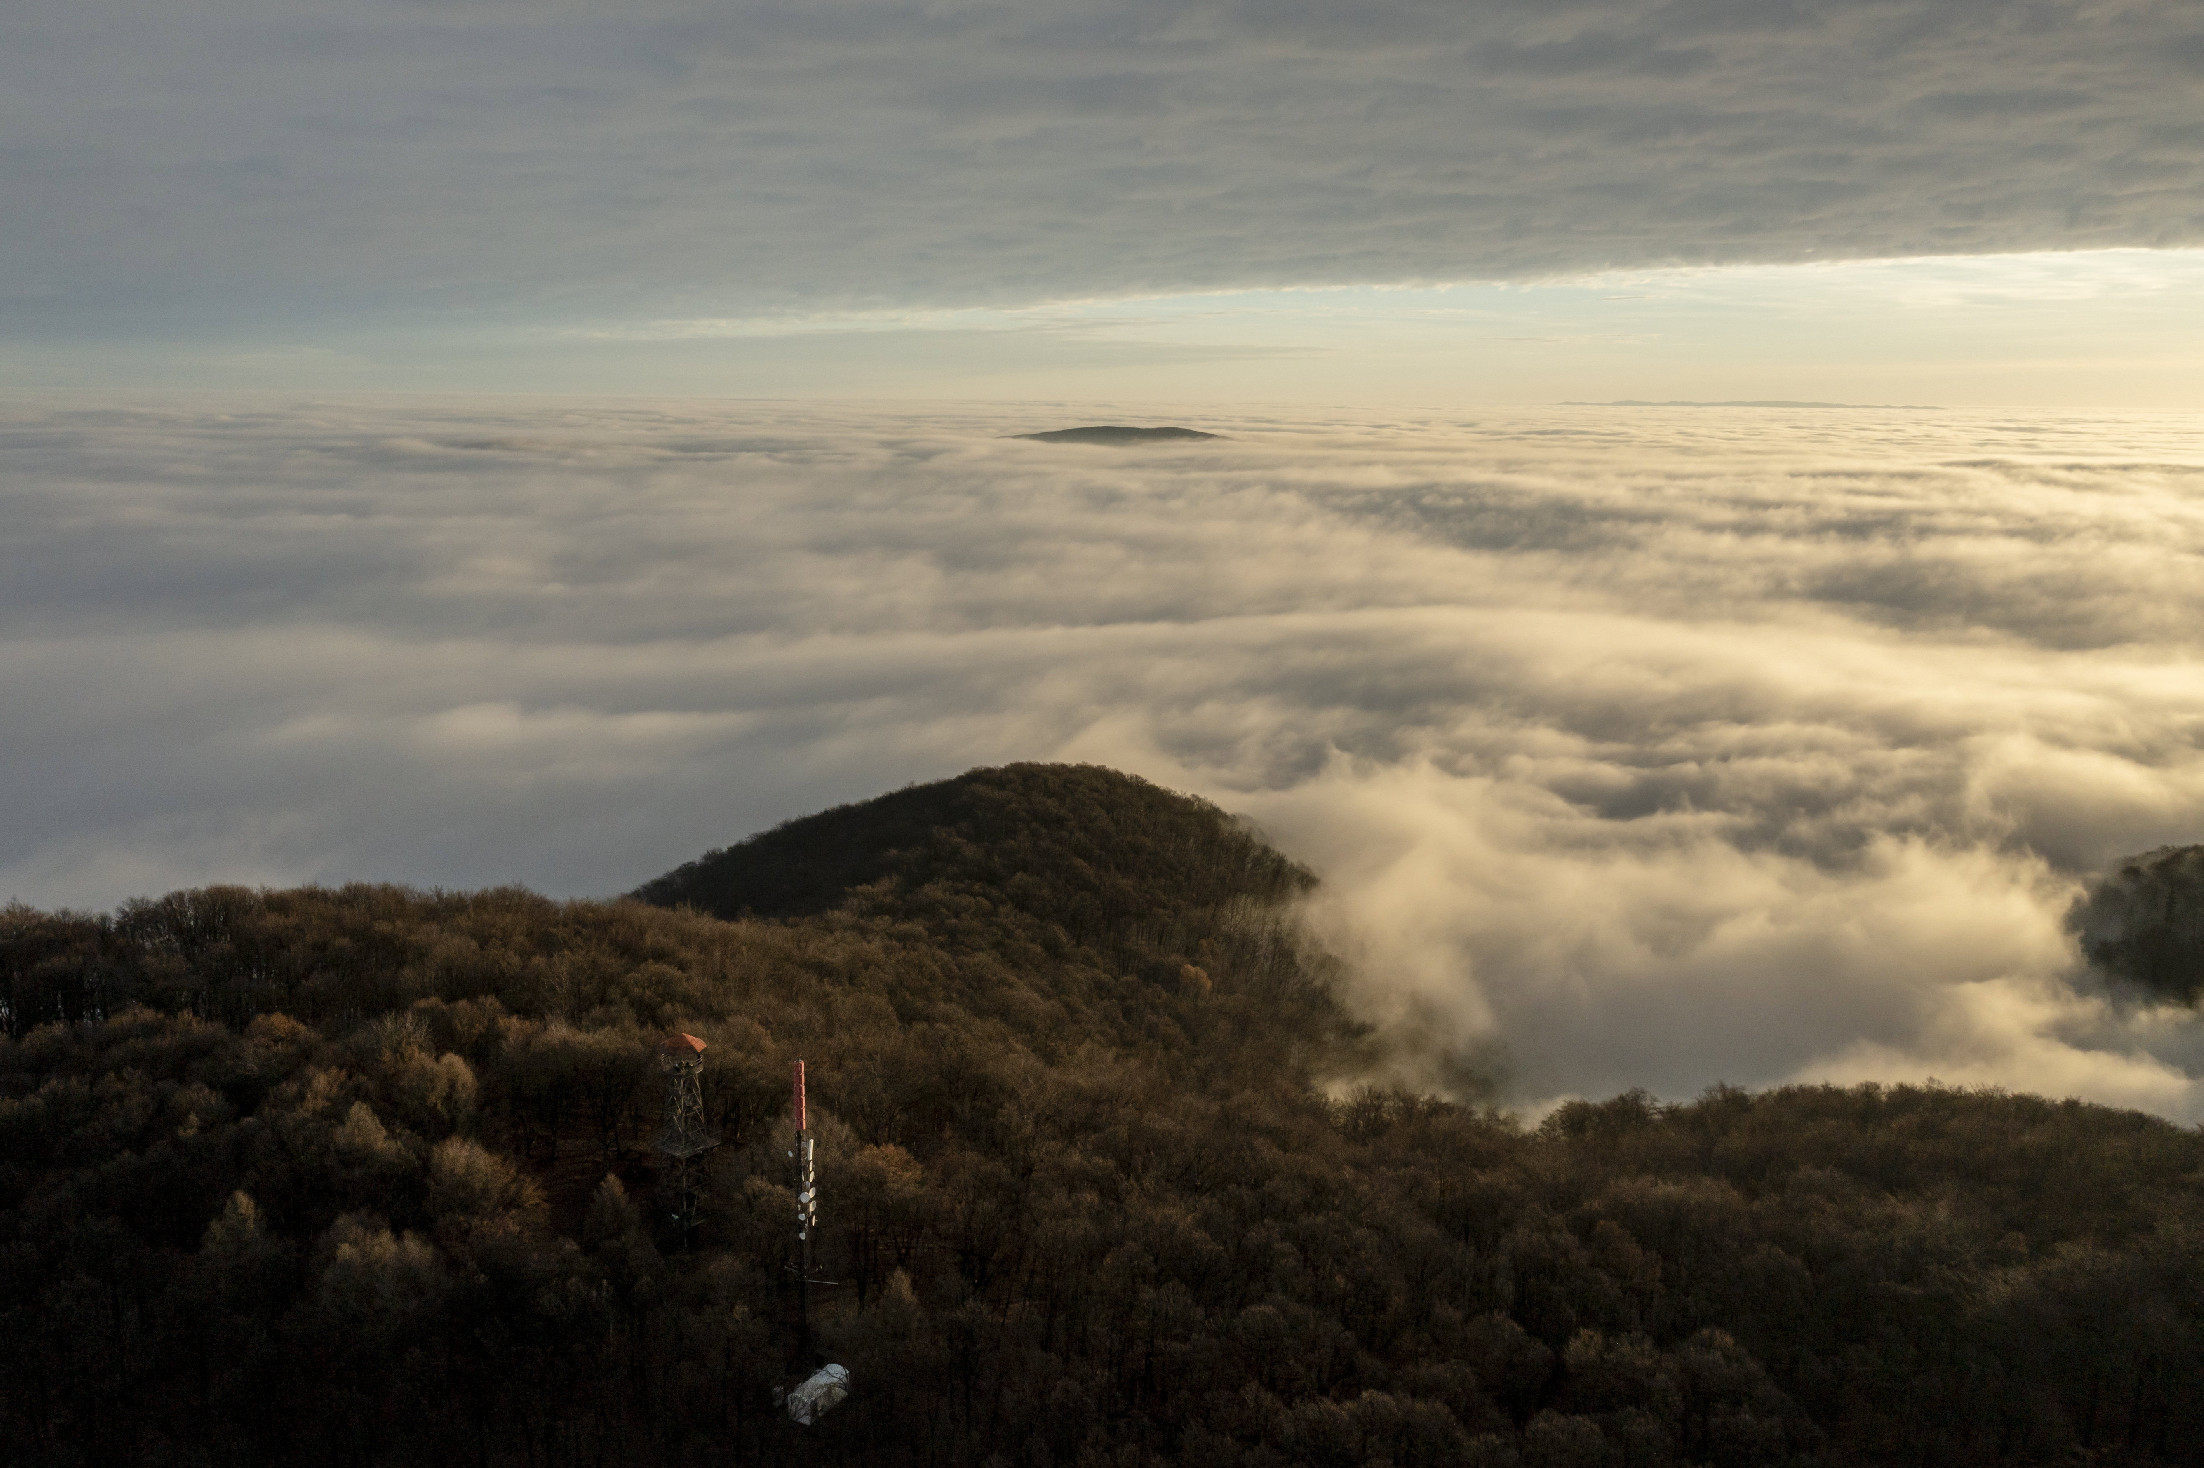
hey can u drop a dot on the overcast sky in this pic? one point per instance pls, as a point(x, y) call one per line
point(512, 193)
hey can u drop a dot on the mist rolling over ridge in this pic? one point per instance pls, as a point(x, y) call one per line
point(1634, 748)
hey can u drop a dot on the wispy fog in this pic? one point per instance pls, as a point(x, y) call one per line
point(1638, 747)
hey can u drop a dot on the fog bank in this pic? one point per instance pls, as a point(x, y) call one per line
point(1637, 746)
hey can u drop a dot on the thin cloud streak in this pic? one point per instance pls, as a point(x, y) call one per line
point(2103, 328)
point(1637, 746)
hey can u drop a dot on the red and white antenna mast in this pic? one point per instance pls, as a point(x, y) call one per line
point(807, 1217)
point(822, 1388)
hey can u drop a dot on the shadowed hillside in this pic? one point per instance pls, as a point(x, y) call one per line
point(2144, 923)
point(1109, 858)
point(1072, 901)
point(361, 1176)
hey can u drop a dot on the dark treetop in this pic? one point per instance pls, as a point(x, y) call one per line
point(2143, 923)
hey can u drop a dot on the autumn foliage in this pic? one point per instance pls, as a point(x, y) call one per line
point(361, 1176)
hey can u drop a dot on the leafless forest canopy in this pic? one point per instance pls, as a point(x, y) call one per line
point(362, 1176)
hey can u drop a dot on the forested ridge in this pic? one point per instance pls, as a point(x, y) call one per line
point(362, 1176)
point(2143, 924)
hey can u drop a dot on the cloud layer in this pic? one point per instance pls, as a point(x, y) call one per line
point(1638, 746)
point(247, 161)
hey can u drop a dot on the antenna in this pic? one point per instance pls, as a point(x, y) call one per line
point(687, 1133)
point(829, 1384)
point(807, 1218)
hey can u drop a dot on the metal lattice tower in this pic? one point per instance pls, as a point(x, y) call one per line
point(687, 1134)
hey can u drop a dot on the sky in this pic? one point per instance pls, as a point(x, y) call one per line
point(1967, 202)
point(468, 441)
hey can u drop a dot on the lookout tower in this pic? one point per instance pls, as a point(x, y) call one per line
point(687, 1134)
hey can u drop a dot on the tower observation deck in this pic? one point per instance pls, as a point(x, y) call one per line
point(688, 1132)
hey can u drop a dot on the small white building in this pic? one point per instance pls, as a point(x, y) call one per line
point(819, 1391)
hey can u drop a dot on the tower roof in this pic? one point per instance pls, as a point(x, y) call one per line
point(681, 1046)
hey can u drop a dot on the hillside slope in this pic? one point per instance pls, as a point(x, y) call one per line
point(362, 1177)
point(1073, 903)
point(1086, 847)
point(2143, 923)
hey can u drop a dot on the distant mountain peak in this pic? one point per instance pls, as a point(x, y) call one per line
point(1117, 434)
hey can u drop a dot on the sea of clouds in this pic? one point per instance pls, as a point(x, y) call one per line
point(1636, 746)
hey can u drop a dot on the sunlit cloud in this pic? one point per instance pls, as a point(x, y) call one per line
point(2116, 329)
point(1637, 746)
point(2125, 276)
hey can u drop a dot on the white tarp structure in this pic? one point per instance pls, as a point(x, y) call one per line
point(819, 1391)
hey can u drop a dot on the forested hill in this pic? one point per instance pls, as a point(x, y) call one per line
point(1078, 845)
point(2143, 924)
point(1071, 902)
point(362, 1176)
